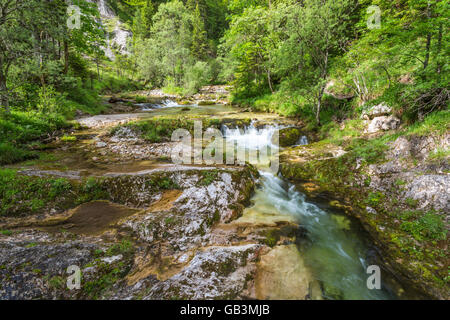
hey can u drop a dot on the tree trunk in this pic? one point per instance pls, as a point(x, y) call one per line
point(269, 80)
point(66, 57)
point(98, 69)
point(319, 104)
point(427, 55)
point(4, 100)
point(439, 47)
point(322, 87)
point(428, 46)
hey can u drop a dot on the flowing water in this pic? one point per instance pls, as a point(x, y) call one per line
point(163, 104)
point(334, 249)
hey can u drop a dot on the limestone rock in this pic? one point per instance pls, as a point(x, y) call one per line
point(214, 273)
point(376, 111)
point(383, 123)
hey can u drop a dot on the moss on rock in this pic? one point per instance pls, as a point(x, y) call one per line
point(419, 262)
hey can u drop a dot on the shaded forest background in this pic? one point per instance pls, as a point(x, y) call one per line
point(313, 59)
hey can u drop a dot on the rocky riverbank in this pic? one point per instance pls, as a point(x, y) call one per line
point(137, 226)
point(397, 187)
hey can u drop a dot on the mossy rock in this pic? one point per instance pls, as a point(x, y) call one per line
point(184, 102)
point(289, 136)
point(206, 103)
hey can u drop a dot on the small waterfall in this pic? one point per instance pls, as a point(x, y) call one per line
point(152, 106)
point(170, 104)
point(303, 141)
point(251, 137)
point(105, 10)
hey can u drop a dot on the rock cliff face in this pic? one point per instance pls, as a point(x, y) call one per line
point(421, 180)
point(402, 199)
point(117, 35)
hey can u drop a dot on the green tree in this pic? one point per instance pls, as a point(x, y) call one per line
point(165, 55)
point(319, 31)
point(199, 47)
point(249, 44)
point(142, 22)
point(15, 43)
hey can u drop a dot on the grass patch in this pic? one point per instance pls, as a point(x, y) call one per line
point(10, 154)
point(160, 129)
point(57, 282)
point(162, 183)
point(436, 122)
point(371, 151)
point(20, 129)
point(439, 154)
point(208, 177)
point(125, 247)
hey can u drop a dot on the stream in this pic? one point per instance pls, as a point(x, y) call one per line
point(334, 250)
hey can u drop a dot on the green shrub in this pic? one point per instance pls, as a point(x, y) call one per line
point(197, 76)
point(20, 127)
point(50, 101)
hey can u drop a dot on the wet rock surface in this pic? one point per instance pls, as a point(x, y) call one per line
point(136, 225)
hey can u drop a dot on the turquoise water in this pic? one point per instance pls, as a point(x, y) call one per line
point(333, 249)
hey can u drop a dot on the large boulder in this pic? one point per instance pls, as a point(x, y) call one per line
point(383, 123)
point(376, 111)
point(291, 136)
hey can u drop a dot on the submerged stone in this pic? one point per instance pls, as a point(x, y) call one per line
point(283, 275)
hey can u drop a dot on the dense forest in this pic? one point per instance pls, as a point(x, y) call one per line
point(314, 59)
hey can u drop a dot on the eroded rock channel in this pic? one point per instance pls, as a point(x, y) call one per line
point(140, 227)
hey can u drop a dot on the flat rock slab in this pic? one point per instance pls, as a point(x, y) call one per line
point(93, 218)
point(282, 275)
point(111, 119)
